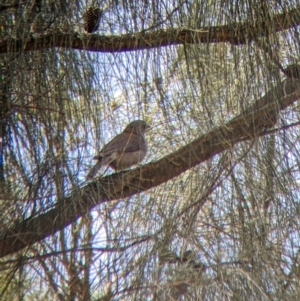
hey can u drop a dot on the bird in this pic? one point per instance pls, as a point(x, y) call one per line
point(123, 151)
point(92, 18)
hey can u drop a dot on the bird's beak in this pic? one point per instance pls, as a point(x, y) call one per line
point(148, 128)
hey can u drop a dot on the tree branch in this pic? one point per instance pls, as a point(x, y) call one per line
point(252, 123)
point(13, 4)
point(236, 33)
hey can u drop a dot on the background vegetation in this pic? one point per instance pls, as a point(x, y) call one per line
point(213, 213)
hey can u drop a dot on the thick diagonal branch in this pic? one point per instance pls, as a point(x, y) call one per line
point(252, 123)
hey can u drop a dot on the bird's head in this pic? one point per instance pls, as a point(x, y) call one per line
point(137, 127)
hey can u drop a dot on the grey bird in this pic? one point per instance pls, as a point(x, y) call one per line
point(126, 149)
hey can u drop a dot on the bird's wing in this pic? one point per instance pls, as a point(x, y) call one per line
point(124, 142)
point(102, 161)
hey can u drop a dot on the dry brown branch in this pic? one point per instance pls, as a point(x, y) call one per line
point(235, 33)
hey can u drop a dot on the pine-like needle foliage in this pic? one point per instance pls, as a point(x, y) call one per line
point(215, 215)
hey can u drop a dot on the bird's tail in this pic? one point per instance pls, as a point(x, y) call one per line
point(94, 170)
